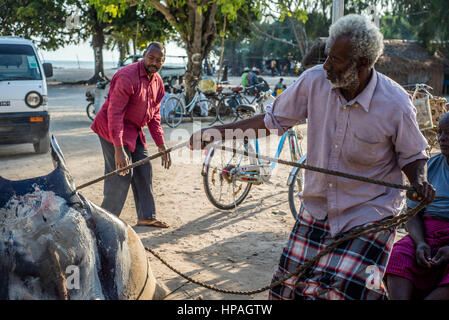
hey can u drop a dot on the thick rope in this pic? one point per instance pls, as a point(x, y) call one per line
point(250, 154)
point(317, 169)
point(133, 165)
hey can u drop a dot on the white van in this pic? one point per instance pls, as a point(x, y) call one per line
point(23, 94)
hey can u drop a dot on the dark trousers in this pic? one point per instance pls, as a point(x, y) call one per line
point(116, 188)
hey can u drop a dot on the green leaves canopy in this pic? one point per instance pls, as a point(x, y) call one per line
point(38, 19)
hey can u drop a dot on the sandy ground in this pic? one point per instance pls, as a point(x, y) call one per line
point(236, 249)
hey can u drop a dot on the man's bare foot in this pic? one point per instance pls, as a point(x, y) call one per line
point(152, 223)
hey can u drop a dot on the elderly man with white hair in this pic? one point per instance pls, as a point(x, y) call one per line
point(359, 122)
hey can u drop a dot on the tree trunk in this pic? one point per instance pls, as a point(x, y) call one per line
point(235, 66)
point(123, 49)
point(97, 45)
point(300, 35)
point(199, 44)
point(134, 49)
point(193, 73)
point(197, 30)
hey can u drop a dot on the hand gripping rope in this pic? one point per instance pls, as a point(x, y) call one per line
point(374, 227)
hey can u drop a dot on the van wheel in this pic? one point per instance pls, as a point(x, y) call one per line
point(43, 145)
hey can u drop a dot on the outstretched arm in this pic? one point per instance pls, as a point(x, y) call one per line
point(248, 128)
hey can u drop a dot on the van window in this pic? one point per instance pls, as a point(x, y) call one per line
point(18, 62)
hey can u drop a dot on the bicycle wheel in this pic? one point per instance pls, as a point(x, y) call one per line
point(240, 100)
point(176, 112)
point(90, 110)
point(224, 111)
point(294, 190)
point(222, 189)
point(244, 114)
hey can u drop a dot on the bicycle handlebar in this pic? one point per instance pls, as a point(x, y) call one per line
point(423, 86)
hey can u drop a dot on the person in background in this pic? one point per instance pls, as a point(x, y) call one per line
point(273, 67)
point(133, 101)
point(244, 81)
point(279, 87)
point(252, 77)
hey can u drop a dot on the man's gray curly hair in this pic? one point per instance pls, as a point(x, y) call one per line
point(366, 39)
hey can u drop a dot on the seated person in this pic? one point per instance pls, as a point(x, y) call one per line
point(279, 87)
point(419, 263)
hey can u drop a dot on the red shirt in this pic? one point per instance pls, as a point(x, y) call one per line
point(133, 101)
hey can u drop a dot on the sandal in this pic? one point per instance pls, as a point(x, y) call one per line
point(152, 223)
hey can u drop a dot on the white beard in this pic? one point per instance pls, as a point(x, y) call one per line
point(348, 80)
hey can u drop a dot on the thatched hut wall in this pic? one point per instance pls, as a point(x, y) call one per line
point(407, 62)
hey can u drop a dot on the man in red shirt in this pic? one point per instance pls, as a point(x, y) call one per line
point(133, 101)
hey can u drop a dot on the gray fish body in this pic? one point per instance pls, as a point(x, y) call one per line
point(55, 244)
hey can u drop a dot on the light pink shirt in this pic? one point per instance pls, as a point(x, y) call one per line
point(374, 135)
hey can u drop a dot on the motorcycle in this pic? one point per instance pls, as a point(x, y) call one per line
point(96, 98)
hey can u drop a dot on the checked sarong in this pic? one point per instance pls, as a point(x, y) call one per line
point(352, 271)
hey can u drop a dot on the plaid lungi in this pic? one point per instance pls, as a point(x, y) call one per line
point(353, 270)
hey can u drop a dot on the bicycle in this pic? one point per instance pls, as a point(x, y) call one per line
point(177, 109)
point(429, 111)
point(260, 98)
point(259, 95)
point(229, 101)
point(233, 175)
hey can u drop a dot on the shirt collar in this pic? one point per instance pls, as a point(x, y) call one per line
point(364, 97)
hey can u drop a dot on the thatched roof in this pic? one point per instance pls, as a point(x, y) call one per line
point(408, 62)
point(400, 55)
point(316, 54)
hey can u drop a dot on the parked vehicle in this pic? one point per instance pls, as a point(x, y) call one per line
point(24, 117)
point(171, 73)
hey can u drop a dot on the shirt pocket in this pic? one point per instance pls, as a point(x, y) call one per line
point(364, 147)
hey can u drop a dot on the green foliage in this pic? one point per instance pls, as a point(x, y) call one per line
point(429, 20)
point(280, 17)
point(396, 27)
point(37, 19)
point(230, 8)
point(141, 23)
